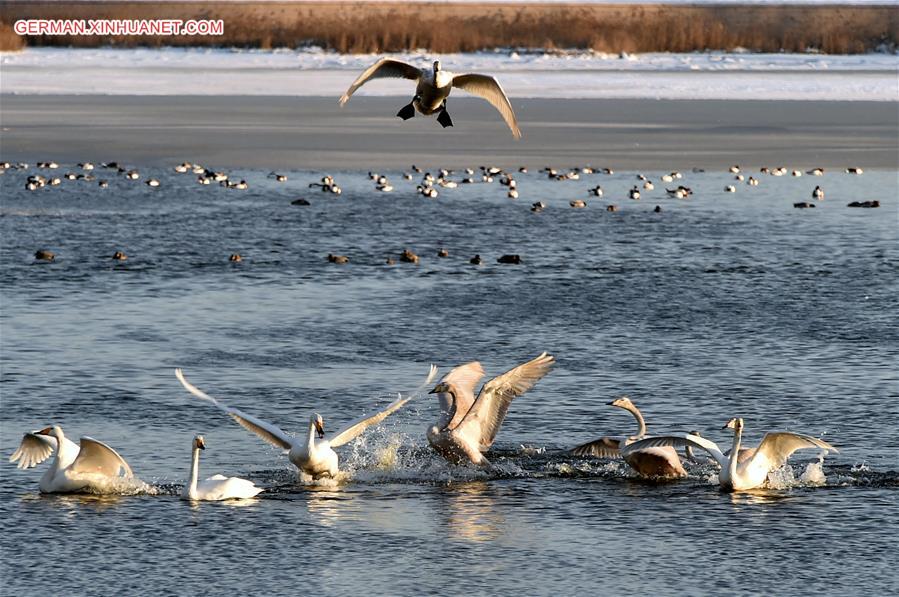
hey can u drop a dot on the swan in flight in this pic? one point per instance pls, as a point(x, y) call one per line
point(658, 461)
point(741, 469)
point(468, 425)
point(433, 87)
point(313, 454)
point(217, 487)
point(89, 465)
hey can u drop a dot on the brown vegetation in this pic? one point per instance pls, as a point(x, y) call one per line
point(9, 41)
point(382, 27)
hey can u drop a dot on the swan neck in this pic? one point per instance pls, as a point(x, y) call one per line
point(641, 432)
point(310, 437)
point(735, 452)
point(194, 473)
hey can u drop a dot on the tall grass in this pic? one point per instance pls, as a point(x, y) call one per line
point(384, 27)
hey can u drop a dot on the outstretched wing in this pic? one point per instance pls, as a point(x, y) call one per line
point(383, 68)
point(463, 378)
point(677, 441)
point(97, 457)
point(356, 427)
point(267, 431)
point(482, 422)
point(489, 89)
point(33, 450)
point(779, 445)
point(604, 447)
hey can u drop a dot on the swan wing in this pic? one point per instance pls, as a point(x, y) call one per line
point(488, 88)
point(463, 378)
point(269, 432)
point(482, 422)
point(777, 446)
point(96, 457)
point(604, 447)
point(356, 427)
point(383, 68)
point(677, 441)
point(33, 450)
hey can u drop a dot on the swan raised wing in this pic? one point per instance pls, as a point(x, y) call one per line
point(777, 446)
point(97, 457)
point(383, 68)
point(352, 430)
point(483, 420)
point(33, 450)
point(269, 432)
point(462, 380)
point(678, 441)
point(604, 447)
point(488, 88)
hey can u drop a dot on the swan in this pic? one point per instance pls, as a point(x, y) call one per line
point(433, 87)
point(217, 487)
point(650, 462)
point(468, 425)
point(313, 456)
point(741, 469)
point(90, 466)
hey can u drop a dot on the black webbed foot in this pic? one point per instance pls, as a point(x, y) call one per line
point(444, 118)
point(406, 112)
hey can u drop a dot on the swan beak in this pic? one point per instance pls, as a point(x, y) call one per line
point(201, 443)
point(320, 427)
point(439, 389)
point(44, 431)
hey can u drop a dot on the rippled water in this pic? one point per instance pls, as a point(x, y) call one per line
point(721, 305)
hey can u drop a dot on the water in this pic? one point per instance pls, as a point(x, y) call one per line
point(722, 305)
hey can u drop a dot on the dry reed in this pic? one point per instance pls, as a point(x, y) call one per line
point(385, 27)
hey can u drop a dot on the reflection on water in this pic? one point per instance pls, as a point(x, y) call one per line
point(471, 512)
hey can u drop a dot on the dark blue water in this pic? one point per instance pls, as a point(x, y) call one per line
point(721, 305)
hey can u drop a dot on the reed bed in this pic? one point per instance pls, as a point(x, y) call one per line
point(385, 27)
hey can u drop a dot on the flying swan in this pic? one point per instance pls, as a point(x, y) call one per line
point(217, 487)
point(313, 456)
point(657, 461)
point(91, 466)
point(433, 87)
point(468, 426)
point(741, 469)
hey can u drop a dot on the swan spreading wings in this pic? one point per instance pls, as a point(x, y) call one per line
point(655, 461)
point(89, 465)
point(468, 425)
point(314, 454)
point(741, 469)
point(434, 86)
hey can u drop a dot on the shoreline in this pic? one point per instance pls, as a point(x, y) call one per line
point(314, 132)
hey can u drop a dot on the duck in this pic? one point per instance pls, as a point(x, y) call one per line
point(730, 189)
point(753, 182)
point(409, 257)
point(433, 86)
point(119, 256)
point(740, 470)
point(312, 454)
point(217, 487)
point(818, 193)
point(235, 258)
point(341, 259)
point(44, 255)
point(88, 466)
point(648, 186)
point(512, 259)
point(595, 191)
point(512, 194)
point(538, 206)
point(152, 182)
point(467, 426)
point(803, 205)
point(476, 260)
point(634, 193)
point(854, 171)
point(578, 203)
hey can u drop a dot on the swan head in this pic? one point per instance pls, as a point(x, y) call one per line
point(52, 431)
point(441, 388)
point(436, 66)
point(319, 423)
point(622, 402)
point(199, 442)
point(736, 424)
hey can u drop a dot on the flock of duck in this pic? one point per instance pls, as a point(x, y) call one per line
point(466, 428)
point(431, 186)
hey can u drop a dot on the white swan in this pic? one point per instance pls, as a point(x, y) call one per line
point(313, 456)
point(661, 461)
point(217, 487)
point(468, 426)
point(91, 466)
point(433, 87)
point(741, 469)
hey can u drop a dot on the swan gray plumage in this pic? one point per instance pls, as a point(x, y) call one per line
point(433, 86)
